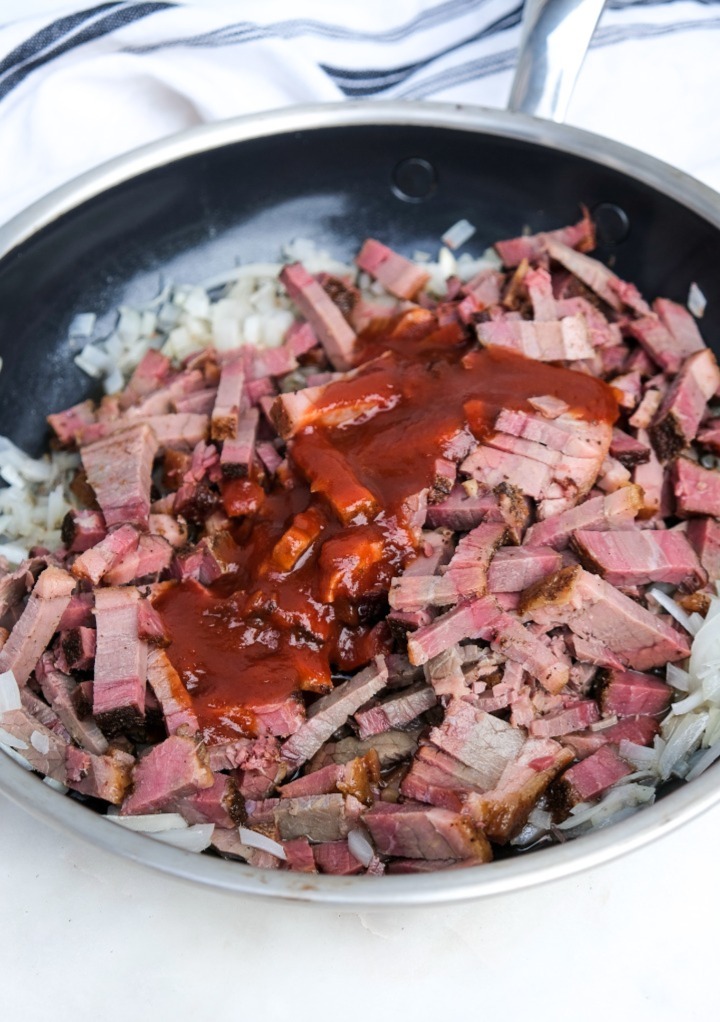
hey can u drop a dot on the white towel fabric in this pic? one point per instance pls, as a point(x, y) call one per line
point(89, 83)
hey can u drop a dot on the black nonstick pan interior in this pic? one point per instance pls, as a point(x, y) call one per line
point(402, 183)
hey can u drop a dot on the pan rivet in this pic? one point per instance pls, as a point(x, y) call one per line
point(611, 222)
point(414, 179)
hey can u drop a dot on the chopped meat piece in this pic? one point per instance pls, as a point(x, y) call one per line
point(562, 340)
point(628, 450)
point(592, 776)
point(228, 843)
point(171, 693)
point(106, 777)
point(594, 609)
point(120, 660)
point(82, 529)
point(42, 747)
point(170, 528)
point(629, 693)
point(220, 804)
point(515, 568)
point(60, 691)
point(392, 747)
point(683, 329)
point(37, 624)
point(478, 740)
point(78, 646)
point(697, 489)
point(395, 712)
point(615, 511)
point(95, 562)
point(335, 857)
point(317, 817)
point(13, 588)
point(150, 373)
point(518, 644)
point(67, 424)
point(299, 854)
point(118, 469)
point(638, 730)
point(704, 535)
point(470, 619)
point(238, 452)
point(502, 812)
point(331, 711)
point(281, 718)
point(228, 401)
point(151, 557)
point(597, 277)
point(573, 717)
point(398, 275)
point(462, 512)
point(334, 332)
point(676, 422)
point(173, 769)
point(416, 831)
point(444, 672)
point(639, 557)
point(530, 246)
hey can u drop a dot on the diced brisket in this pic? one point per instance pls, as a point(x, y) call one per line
point(238, 452)
point(173, 769)
point(150, 558)
point(502, 812)
point(470, 619)
point(676, 422)
point(78, 647)
point(595, 275)
point(37, 624)
point(697, 489)
point(704, 535)
point(630, 693)
point(119, 468)
point(572, 718)
point(531, 246)
point(120, 660)
point(562, 340)
point(615, 511)
point(591, 776)
point(317, 817)
point(300, 855)
point(105, 777)
point(228, 401)
point(171, 693)
point(392, 747)
point(462, 512)
point(96, 561)
point(416, 831)
point(628, 450)
point(639, 557)
point(396, 711)
point(331, 711)
point(515, 568)
point(228, 843)
point(594, 609)
point(478, 740)
point(68, 423)
point(334, 332)
point(60, 691)
point(335, 857)
point(220, 804)
point(398, 275)
point(683, 329)
point(82, 529)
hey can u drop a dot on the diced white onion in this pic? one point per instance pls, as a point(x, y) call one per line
point(40, 742)
point(677, 677)
point(705, 760)
point(193, 839)
point(673, 608)
point(600, 725)
point(253, 839)
point(56, 785)
point(458, 234)
point(360, 848)
point(9, 693)
point(686, 735)
point(697, 302)
point(82, 325)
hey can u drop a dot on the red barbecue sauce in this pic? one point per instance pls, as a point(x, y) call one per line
point(312, 563)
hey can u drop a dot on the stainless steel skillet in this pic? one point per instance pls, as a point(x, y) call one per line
point(188, 206)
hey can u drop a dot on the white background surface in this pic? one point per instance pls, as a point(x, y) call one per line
point(86, 935)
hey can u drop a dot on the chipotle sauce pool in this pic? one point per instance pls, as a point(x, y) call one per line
point(312, 562)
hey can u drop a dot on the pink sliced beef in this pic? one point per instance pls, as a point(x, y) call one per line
point(638, 557)
point(395, 712)
point(334, 332)
point(150, 558)
point(238, 453)
point(595, 275)
point(82, 529)
point(119, 468)
point(697, 489)
point(60, 690)
point(317, 817)
point(592, 776)
point(78, 647)
point(335, 858)
point(514, 568)
point(462, 512)
point(502, 812)
point(615, 511)
point(96, 561)
point(228, 401)
point(561, 340)
point(220, 804)
point(68, 423)
point(398, 275)
point(629, 450)
point(594, 609)
point(120, 660)
point(173, 769)
point(416, 831)
point(37, 624)
point(171, 693)
point(704, 535)
point(638, 730)
point(331, 711)
point(105, 777)
point(531, 246)
point(572, 717)
point(678, 418)
point(631, 693)
point(478, 739)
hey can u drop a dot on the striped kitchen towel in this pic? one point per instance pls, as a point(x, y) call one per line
point(87, 83)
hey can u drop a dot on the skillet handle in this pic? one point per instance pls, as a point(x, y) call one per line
point(555, 37)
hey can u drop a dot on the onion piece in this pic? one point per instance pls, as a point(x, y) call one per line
point(696, 302)
point(192, 839)
point(706, 759)
point(253, 839)
point(458, 234)
point(9, 693)
point(674, 609)
point(360, 847)
point(150, 823)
